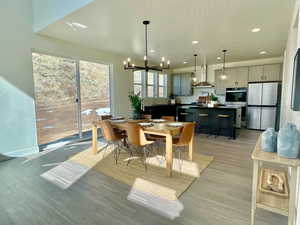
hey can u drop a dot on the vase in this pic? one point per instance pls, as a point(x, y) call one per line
point(269, 140)
point(288, 144)
point(136, 115)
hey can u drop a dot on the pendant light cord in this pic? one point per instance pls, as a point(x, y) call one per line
point(224, 51)
point(146, 35)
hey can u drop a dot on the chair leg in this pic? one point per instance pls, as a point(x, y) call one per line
point(145, 157)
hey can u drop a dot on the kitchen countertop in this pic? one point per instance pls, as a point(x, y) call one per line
point(194, 106)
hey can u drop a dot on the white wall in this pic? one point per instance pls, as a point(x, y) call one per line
point(17, 114)
point(287, 115)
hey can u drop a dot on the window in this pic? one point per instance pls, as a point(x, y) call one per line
point(162, 86)
point(138, 82)
point(151, 84)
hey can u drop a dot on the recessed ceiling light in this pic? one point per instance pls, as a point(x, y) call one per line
point(75, 25)
point(152, 50)
point(79, 25)
point(195, 42)
point(263, 52)
point(255, 30)
point(185, 62)
point(218, 58)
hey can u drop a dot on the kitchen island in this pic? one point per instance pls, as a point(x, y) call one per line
point(208, 119)
point(194, 113)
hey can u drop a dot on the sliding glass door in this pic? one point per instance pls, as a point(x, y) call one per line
point(94, 92)
point(69, 95)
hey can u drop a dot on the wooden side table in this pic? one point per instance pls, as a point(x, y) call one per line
point(273, 203)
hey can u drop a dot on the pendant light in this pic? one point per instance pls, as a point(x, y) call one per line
point(195, 69)
point(223, 75)
point(130, 66)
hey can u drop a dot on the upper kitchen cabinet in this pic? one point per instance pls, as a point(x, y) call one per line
point(235, 78)
point(220, 84)
point(176, 84)
point(270, 72)
point(256, 73)
point(182, 84)
point(242, 74)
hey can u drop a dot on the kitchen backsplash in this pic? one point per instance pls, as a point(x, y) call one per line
point(200, 92)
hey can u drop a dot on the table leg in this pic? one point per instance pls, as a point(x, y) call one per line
point(254, 190)
point(169, 155)
point(292, 203)
point(191, 148)
point(95, 139)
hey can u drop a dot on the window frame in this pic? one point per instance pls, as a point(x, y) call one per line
point(144, 84)
point(164, 86)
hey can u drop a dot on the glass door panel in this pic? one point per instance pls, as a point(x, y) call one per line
point(55, 97)
point(94, 92)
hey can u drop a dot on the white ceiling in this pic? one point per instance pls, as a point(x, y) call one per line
point(116, 26)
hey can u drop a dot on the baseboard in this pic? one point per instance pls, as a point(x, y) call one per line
point(23, 152)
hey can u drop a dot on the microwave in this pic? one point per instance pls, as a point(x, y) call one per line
point(236, 95)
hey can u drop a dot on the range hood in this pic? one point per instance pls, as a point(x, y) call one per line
point(201, 78)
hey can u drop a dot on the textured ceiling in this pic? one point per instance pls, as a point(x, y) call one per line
point(116, 26)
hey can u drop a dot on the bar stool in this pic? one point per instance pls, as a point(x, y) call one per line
point(224, 123)
point(203, 123)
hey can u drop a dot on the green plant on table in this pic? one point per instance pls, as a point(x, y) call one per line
point(213, 98)
point(136, 102)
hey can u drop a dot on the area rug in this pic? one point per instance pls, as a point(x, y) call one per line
point(154, 180)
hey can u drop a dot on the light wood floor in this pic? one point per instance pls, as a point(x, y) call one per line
point(221, 196)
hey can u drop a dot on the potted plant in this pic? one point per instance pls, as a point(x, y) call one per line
point(213, 101)
point(136, 105)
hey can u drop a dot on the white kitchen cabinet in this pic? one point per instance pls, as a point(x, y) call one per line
point(256, 73)
point(242, 76)
point(272, 72)
point(263, 73)
point(220, 84)
point(231, 76)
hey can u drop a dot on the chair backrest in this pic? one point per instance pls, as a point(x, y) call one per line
point(108, 132)
point(168, 118)
point(187, 134)
point(105, 117)
point(135, 134)
point(147, 116)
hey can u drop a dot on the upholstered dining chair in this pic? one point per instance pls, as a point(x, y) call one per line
point(168, 118)
point(147, 116)
point(138, 142)
point(112, 138)
point(105, 117)
point(181, 143)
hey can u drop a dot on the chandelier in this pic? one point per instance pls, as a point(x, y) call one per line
point(223, 75)
point(162, 66)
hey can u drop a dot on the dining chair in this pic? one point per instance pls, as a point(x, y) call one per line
point(112, 138)
point(168, 118)
point(137, 140)
point(182, 142)
point(147, 116)
point(105, 117)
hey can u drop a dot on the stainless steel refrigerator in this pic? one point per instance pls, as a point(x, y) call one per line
point(263, 105)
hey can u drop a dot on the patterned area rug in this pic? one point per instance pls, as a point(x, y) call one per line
point(184, 171)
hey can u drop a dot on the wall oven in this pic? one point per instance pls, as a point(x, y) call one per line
point(236, 96)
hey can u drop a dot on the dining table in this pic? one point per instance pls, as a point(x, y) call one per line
point(164, 129)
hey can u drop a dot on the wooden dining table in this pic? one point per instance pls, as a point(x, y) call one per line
point(161, 129)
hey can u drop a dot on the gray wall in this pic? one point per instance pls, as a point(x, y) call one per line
point(17, 114)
